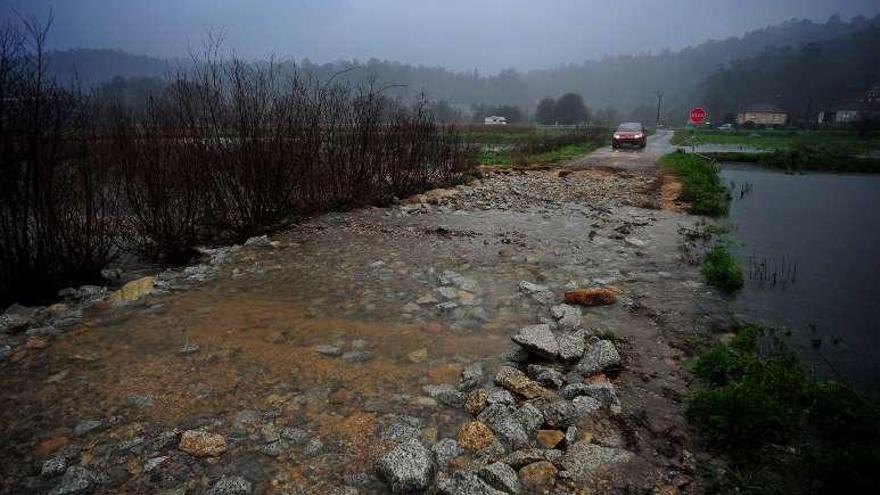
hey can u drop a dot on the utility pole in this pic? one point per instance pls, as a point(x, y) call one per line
point(659, 101)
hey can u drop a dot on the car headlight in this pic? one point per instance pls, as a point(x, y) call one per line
point(638, 136)
point(616, 136)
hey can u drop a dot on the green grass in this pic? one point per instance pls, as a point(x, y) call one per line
point(525, 146)
point(778, 428)
point(720, 269)
point(782, 139)
point(702, 183)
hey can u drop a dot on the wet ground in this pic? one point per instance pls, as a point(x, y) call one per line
point(315, 353)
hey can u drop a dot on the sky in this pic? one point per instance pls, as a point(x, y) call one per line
point(487, 35)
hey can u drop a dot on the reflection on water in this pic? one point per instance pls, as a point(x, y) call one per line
point(810, 244)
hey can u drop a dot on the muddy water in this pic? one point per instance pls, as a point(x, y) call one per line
point(818, 235)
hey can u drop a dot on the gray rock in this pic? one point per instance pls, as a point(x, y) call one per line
point(599, 355)
point(445, 394)
point(409, 467)
point(585, 406)
point(78, 479)
point(471, 376)
point(403, 428)
point(247, 417)
point(445, 450)
point(155, 462)
point(259, 241)
point(502, 420)
point(501, 476)
point(359, 344)
point(140, 400)
point(231, 485)
point(572, 345)
point(500, 396)
point(462, 483)
point(188, 348)
point(524, 457)
point(314, 447)
point(272, 449)
point(571, 435)
point(5, 352)
point(545, 375)
point(329, 350)
point(296, 436)
point(559, 414)
point(11, 322)
point(357, 356)
point(516, 355)
point(448, 292)
point(568, 317)
point(530, 417)
point(583, 459)
point(539, 340)
point(53, 467)
point(47, 331)
point(130, 444)
point(530, 288)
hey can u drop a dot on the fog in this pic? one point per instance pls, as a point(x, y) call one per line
point(459, 34)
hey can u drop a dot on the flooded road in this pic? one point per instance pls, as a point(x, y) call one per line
point(313, 354)
point(809, 245)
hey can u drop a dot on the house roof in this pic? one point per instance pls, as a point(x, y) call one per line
point(765, 108)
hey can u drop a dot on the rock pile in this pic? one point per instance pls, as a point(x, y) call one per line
point(524, 434)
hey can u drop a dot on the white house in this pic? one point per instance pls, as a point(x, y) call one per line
point(495, 120)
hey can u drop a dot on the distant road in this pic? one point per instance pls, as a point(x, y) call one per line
point(628, 158)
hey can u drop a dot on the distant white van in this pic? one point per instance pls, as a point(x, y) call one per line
point(495, 120)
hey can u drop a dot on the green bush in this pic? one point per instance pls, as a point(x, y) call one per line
point(780, 428)
point(720, 269)
point(702, 183)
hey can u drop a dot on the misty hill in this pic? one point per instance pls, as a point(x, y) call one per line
point(626, 82)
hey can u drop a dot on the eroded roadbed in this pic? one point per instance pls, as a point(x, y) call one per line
point(293, 365)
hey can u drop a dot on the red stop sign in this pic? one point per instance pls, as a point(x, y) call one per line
point(698, 115)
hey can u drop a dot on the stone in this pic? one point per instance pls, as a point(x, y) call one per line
point(585, 406)
point(140, 400)
point(272, 449)
point(202, 444)
point(296, 436)
point(545, 375)
point(501, 476)
point(529, 416)
point(568, 317)
point(517, 382)
point(475, 435)
point(538, 477)
point(445, 450)
point(87, 426)
point(357, 356)
point(559, 414)
point(231, 485)
point(329, 350)
point(53, 467)
point(12, 322)
point(464, 483)
point(476, 401)
point(258, 241)
point(523, 457)
point(539, 340)
point(500, 396)
point(549, 438)
point(632, 241)
point(77, 480)
point(133, 290)
point(471, 376)
point(314, 447)
point(155, 462)
point(402, 428)
point(599, 355)
point(530, 288)
point(47, 331)
point(5, 352)
point(188, 348)
point(572, 345)
point(408, 467)
point(418, 356)
point(584, 459)
point(445, 394)
point(591, 297)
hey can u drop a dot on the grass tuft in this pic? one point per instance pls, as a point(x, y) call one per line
point(720, 269)
point(702, 183)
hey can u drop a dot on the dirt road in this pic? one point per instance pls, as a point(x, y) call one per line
point(310, 355)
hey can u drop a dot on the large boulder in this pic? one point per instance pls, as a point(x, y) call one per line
point(407, 468)
point(583, 460)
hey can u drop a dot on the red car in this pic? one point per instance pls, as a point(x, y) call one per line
point(630, 133)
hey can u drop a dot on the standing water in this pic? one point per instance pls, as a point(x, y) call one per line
point(810, 249)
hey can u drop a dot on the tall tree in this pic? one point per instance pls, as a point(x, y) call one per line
point(546, 111)
point(570, 109)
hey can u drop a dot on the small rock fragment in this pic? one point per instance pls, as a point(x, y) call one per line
point(407, 468)
point(475, 435)
point(202, 444)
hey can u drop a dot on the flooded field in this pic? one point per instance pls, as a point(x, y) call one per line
point(809, 245)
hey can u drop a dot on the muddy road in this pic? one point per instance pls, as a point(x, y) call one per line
point(301, 359)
